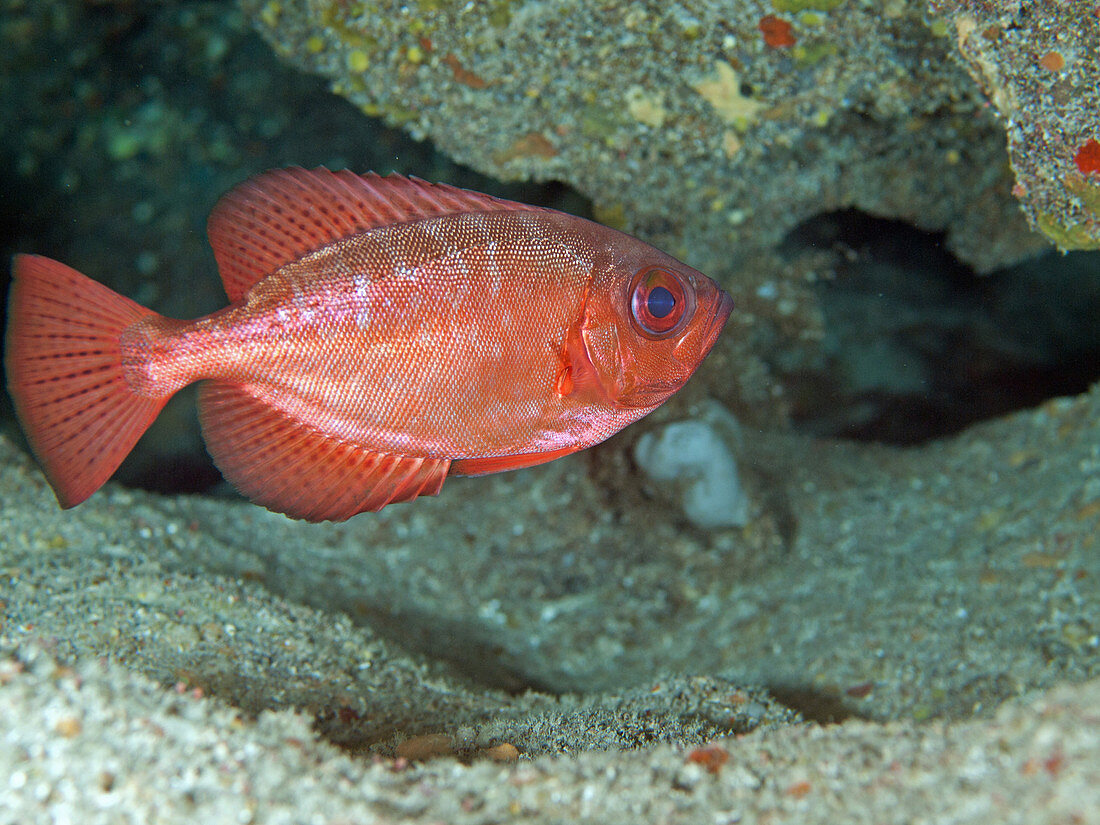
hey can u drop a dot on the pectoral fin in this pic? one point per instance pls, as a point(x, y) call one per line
point(577, 375)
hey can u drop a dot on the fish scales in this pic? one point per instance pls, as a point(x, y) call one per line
point(478, 369)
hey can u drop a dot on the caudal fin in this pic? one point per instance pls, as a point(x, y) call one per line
point(65, 374)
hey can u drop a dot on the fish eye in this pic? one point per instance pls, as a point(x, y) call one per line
point(661, 302)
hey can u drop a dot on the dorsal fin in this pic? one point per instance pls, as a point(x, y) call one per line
point(278, 217)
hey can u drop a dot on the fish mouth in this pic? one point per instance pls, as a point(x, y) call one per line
point(721, 313)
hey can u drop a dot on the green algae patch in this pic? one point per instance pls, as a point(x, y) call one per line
point(802, 5)
point(340, 23)
point(498, 12)
point(611, 214)
point(598, 121)
point(1087, 191)
point(1069, 236)
point(814, 52)
point(1075, 234)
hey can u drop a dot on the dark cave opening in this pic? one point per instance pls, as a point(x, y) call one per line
point(918, 345)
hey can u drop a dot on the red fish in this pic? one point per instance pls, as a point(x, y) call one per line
point(382, 333)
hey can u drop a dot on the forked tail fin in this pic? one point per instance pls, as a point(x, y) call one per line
point(65, 375)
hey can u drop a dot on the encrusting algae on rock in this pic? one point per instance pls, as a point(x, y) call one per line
point(810, 88)
point(1038, 65)
point(706, 132)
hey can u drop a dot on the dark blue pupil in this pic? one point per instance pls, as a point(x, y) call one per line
point(660, 302)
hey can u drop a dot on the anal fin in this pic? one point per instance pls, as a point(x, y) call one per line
point(291, 468)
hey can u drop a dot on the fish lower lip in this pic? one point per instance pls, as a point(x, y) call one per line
point(722, 310)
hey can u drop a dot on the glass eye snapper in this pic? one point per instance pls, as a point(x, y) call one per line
point(661, 302)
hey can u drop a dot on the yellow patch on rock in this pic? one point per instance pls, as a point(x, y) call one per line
point(731, 143)
point(646, 107)
point(722, 90)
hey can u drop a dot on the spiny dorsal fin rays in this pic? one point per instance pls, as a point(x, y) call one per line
point(277, 217)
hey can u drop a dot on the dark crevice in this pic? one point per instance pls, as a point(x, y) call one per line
point(815, 705)
point(473, 652)
point(918, 346)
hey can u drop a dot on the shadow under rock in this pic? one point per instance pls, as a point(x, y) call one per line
point(478, 654)
point(815, 705)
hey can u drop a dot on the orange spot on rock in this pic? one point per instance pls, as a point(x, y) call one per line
point(861, 691)
point(711, 757)
point(798, 789)
point(530, 145)
point(777, 32)
point(1039, 561)
point(69, 726)
point(464, 75)
point(1052, 62)
point(425, 746)
point(1088, 511)
point(1088, 157)
point(504, 752)
point(1054, 763)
